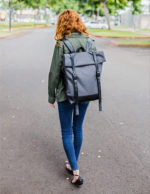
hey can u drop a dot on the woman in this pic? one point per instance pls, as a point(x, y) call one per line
point(69, 25)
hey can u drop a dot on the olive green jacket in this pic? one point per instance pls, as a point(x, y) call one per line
point(56, 86)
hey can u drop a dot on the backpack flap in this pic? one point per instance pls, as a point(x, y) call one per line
point(86, 75)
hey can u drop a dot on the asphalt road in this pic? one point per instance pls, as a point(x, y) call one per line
point(115, 155)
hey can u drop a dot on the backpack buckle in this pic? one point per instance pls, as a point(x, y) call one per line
point(97, 74)
point(74, 76)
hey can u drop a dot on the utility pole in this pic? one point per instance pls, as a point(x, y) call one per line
point(10, 15)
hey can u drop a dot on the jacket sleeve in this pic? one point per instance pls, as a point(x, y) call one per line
point(93, 45)
point(54, 73)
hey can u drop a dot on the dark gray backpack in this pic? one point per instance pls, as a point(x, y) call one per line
point(82, 74)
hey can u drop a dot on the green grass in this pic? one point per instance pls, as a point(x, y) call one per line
point(21, 25)
point(115, 33)
point(129, 27)
point(145, 30)
point(18, 27)
point(134, 42)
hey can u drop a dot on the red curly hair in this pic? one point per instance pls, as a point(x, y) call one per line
point(69, 21)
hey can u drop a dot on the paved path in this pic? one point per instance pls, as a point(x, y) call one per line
point(115, 156)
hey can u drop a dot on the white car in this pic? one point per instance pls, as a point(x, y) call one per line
point(95, 24)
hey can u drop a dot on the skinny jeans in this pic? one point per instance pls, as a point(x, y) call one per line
point(72, 129)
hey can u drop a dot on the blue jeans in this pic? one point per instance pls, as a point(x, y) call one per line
point(68, 127)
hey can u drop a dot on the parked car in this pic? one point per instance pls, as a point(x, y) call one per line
point(2, 16)
point(53, 22)
point(96, 24)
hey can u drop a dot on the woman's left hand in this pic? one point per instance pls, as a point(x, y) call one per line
point(53, 105)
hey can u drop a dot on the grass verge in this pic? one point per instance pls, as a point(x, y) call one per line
point(115, 34)
point(17, 28)
point(142, 43)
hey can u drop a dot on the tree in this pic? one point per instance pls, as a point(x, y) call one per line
point(12, 4)
point(60, 5)
point(108, 7)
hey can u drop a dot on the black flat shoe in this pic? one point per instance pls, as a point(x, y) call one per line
point(79, 181)
point(70, 171)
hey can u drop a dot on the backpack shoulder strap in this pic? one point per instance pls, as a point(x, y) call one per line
point(88, 44)
point(68, 45)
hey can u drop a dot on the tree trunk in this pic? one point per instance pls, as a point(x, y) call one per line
point(46, 16)
point(98, 12)
point(10, 15)
point(107, 14)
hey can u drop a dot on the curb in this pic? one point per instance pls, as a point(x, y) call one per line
point(14, 35)
point(129, 45)
point(24, 31)
point(127, 37)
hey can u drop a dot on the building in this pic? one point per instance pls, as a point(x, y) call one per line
point(145, 6)
point(141, 21)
